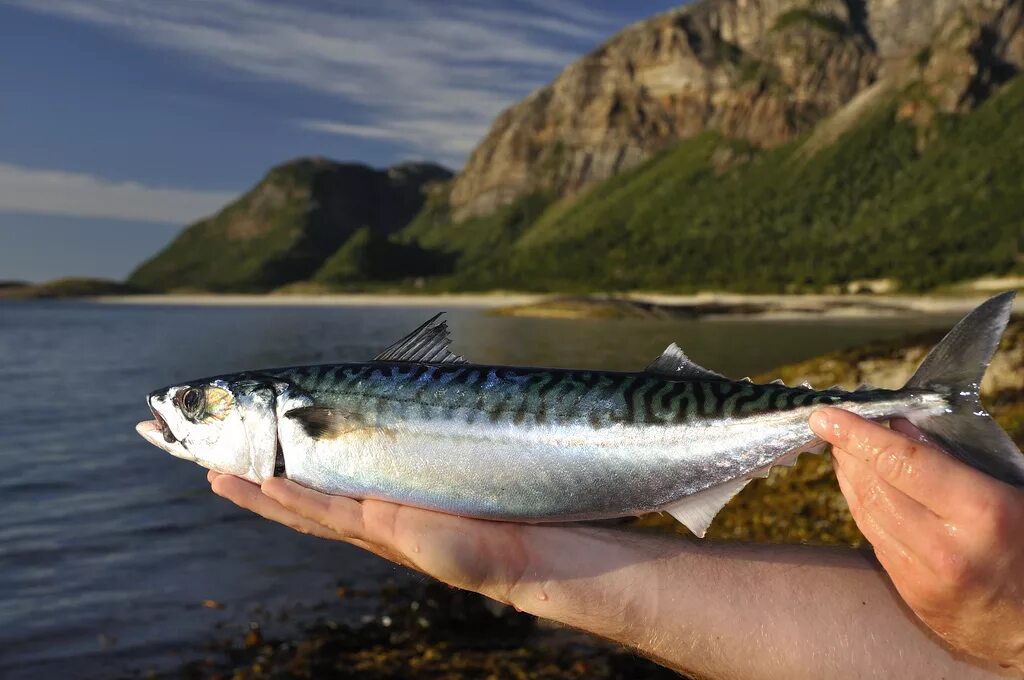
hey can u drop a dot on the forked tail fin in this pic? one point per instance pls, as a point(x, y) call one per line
point(954, 369)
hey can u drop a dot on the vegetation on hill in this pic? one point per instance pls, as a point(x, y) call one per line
point(716, 213)
point(369, 256)
point(288, 225)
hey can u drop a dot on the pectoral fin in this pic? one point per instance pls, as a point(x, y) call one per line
point(325, 423)
point(695, 512)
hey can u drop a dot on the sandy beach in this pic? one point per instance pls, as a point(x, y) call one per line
point(709, 305)
point(340, 300)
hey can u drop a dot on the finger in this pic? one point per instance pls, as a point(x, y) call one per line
point(922, 472)
point(468, 553)
point(247, 495)
point(908, 429)
point(896, 559)
point(341, 515)
point(914, 527)
point(903, 567)
point(879, 538)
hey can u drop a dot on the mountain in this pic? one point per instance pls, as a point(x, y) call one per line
point(286, 227)
point(716, 213)
point(872, 140)
point(762, 71)
point(749, 145)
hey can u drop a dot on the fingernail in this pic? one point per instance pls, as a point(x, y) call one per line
point(819, 422)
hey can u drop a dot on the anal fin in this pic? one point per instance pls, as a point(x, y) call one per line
point(697, 511)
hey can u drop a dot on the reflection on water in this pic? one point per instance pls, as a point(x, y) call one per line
point(108, 546)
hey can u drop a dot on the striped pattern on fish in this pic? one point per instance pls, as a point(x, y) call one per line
point(534, 444)
point(533, 396)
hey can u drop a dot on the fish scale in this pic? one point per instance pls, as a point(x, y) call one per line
point(419, 425)
point(542, 396)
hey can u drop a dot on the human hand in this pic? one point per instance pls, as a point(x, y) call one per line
point(950, 537)
point(492, 558)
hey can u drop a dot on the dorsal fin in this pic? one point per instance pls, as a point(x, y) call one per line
point(427, 344)
point(778, 381)
point(806, 385)
point(865, 388)
point(674, 363)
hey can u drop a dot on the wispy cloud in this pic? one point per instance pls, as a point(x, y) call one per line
point(428, 75)
point(453, 139)
point(55, 192)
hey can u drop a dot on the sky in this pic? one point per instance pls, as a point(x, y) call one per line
point(123, 120)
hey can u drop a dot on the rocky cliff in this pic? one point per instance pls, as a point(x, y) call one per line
point(760, 70)
point(286, 227)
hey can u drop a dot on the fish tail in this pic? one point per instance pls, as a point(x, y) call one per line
point(954, 369)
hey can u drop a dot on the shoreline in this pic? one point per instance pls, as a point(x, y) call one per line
point(325, 300)
point(637, 304)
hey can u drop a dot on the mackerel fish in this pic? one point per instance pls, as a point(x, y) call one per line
point(421, 426)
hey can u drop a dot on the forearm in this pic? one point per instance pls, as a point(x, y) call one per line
point(711, 610)
point(731, 611)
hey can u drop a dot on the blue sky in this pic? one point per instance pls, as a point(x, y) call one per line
point(122, 120)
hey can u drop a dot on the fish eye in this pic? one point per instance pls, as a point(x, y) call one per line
point(192, 402)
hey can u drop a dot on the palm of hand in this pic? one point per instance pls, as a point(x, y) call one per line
point(486, 557)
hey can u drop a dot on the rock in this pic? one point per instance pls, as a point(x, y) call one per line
point(759, 70)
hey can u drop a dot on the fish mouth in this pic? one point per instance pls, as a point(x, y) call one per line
point(158, 433)
point(165, 429)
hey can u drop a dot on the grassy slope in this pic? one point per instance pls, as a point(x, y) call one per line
point(287, 227)
point(369, 257)
point(205, 257)
point(871, 205)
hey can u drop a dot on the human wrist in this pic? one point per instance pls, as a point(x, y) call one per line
point(590, 578)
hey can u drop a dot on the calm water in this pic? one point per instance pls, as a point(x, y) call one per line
point(108, 546)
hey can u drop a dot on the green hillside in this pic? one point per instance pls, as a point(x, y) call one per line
point(371, 256)
point(287, 226)
point(715, 213)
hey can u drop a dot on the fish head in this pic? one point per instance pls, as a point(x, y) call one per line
point(224, 425)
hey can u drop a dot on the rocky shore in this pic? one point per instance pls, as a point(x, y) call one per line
point(426, 630)
point(732, 305)
point(422, 630)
